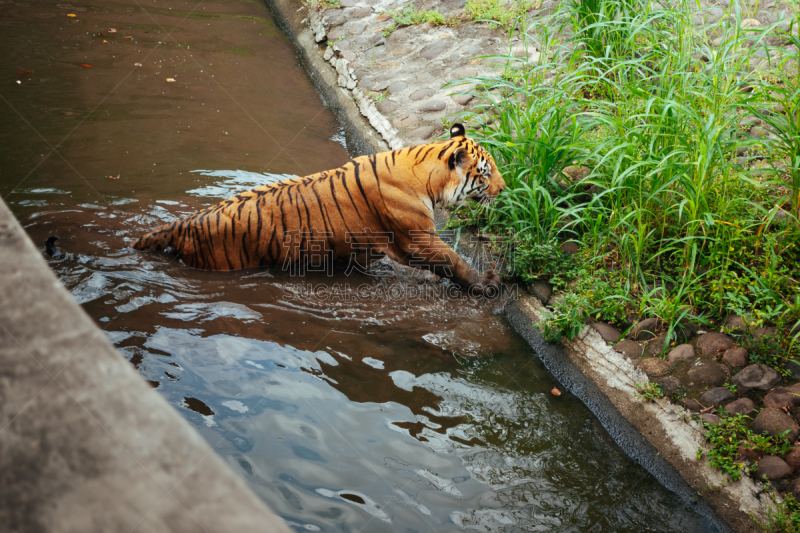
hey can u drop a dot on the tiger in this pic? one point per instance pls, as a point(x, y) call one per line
point(382, 203)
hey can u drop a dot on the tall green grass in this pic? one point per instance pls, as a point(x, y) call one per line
point(630, 134)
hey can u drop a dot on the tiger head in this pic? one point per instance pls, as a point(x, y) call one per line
point(473, 171)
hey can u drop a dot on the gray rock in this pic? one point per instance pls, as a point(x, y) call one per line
point(397, 87)
point(656, 346)
point(743, 406)
point(543, 290)
point(608, 332)
point(630, 349)
point(794, 368)
point(759, 377)
point(709, 372)
point(794, 489)
point(425, 132)
point(712, 343)
point(655, 368)
point(772, 468)
point(716, 396)
point(692, 405)
point(419, 94)
point(569, 247)
point(462, 99)
point(735, 323)
point(433, 106)
point(386, 107)
point(669, 384)
point(735, 357)
point(645, 330)
point(348, 55)
point(710, 419)
point(683, 352)
point(774, 422)
point(347, 3)
point(434, 49)
point(365, 83)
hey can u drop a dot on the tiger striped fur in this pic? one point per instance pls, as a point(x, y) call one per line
point(348, 209)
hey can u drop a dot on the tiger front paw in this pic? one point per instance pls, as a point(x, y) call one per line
point(486, 284)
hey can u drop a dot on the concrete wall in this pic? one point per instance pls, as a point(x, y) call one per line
point(85, 443)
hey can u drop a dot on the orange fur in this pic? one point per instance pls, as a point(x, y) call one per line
point(346, 210)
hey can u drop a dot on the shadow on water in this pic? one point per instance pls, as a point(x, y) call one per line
point(362, 402)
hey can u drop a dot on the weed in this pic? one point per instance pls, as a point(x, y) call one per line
point(321, 5)
point(650, 391)
point(496, 12)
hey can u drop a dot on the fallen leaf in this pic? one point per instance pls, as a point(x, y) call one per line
point(87, 65)
point(99, 34)
point(137, 64)
point(128, 36)
point(112, 30)
point(385, 16)
point(71, 15)
point(555, 392)
point(114, 177)
point(105, 42)
point(170, 80)
point(119, 27)
point(23, 72)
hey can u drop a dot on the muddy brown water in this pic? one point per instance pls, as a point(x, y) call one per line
point(348, 403)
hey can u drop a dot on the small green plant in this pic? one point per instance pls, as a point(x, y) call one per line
point(650, 391)
point(320, 5)
point(566, 320)
point(497, 12)
point(784, 517)
point(410, 16)
point(379, 97)
point(731, 387)
point(331, 43)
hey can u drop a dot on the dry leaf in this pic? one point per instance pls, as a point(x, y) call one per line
point(128, 36)
point(112, 30)
point(23, 72)
point(555, 392)
point(87, 65)
point(170, 80)
point(114, 177)
point(137, 64)
point(71, 15)
point(385, 16)
point(707, 410)
point(105, 42)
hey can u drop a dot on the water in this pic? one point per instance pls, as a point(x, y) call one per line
point(348, 403)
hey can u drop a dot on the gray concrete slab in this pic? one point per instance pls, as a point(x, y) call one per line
point(85, 443)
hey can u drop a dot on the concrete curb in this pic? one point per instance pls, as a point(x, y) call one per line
point(85, 443)
point(657, 435)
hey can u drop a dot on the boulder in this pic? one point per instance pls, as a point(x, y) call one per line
point(735, 357)
point(735, 323)
point(629, 349)
point(710, 419)
point(645, 329)
point(774, 421)
point(782, 398)
point(655, 368)
point(709, 372)
point(543, 290)
point(669, 384)
point(794, 489)
point(692, 405)
point(772, 468)
point(710, 344)
point(792, 458)
point(716, 396)
point(759, 377)
point(656, 346)
point(682, 352)
point(743, 406)
point(608, 332)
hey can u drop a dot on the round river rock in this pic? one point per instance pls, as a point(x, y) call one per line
point(774, 421)
point(683, 352)
point(608, 332)
point(772, 468)
point(712, 343)
point(716, 396)
point(735, 357)
point(759, 377)
point(655, 368)
point(629, 349)
point(709, 372)
point(645, 329)
point(743, 406)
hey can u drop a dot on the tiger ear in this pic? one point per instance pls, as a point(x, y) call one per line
point(457, 130)
point(457, 158)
